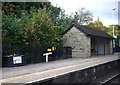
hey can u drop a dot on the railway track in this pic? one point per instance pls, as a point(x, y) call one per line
point(114, 80)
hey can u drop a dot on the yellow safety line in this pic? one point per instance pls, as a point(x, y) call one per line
point(22, 76)
point(22, 70)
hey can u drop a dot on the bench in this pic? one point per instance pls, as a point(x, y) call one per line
point(93, 51)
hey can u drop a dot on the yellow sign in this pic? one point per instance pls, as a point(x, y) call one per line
point(53, 49)
point(48, 49)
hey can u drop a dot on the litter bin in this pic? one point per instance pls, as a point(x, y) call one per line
point(13, 61)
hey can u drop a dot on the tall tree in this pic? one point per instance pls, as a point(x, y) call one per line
point(40, 30)
point(12, 31)
point(63, 21)
point(37, 25)
point(98, 25)
point(8, 8)
point(81, 17)
point(53, 12)
point(18, 7)
point(117, 30)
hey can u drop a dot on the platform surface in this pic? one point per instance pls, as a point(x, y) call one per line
point(37, 72)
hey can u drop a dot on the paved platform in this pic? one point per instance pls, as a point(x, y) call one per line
point(41, 71)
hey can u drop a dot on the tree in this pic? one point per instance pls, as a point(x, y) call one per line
point(41, 30)
point(98, 25)
point(7, 8)
point(53, 12)
point(12, 32)
point(37, 24)
point(117, 33)
point(26, 24)
point(17, 8)
point(81, 17)
point(117, 30)
point(62, 22)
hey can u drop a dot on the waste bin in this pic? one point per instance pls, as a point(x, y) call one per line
point(13, 61)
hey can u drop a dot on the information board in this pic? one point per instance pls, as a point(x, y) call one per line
point(17, 59)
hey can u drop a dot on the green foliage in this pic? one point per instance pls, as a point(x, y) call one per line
point(34, 29)
point(17, 8)
point(7, 8)
point(98, 25)
point(117, 30)
point(63, 22)
point(53, 12)
point(26, 23)
point(42, 32)
point(11, 31)
point(42, 24)
point(38, 29)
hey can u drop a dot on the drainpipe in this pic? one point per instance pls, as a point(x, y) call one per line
point(97, 47)
point(104, 46)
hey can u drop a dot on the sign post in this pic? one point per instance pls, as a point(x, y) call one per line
point(119, 43)
point(46, 54)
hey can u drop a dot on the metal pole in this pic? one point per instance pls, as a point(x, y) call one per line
point(113, 30)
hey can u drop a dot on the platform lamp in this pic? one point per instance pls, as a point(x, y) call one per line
point(113, 30)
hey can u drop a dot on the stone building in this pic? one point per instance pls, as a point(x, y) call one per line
point(86, 41)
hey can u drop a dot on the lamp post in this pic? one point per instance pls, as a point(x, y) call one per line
point(113, 30)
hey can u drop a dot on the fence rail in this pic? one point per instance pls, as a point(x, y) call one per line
point(34, 54)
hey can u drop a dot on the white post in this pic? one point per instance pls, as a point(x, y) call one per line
point(46, 54)
point(46, 58)
point(119, 42)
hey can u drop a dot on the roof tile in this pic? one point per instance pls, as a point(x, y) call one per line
point(90, 31)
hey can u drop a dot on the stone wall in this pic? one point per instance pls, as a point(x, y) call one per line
point(79, 42)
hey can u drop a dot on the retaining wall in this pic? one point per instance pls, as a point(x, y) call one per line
point(84, 76)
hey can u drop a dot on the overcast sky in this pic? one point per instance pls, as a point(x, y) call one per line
point(99, 8)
